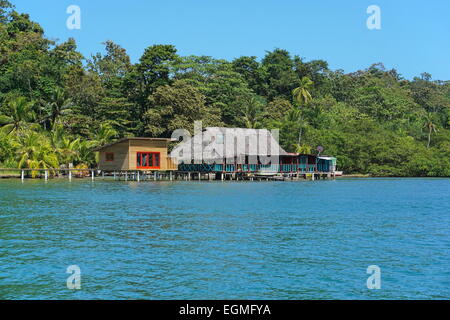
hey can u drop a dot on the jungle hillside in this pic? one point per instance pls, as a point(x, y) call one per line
point(57, 105)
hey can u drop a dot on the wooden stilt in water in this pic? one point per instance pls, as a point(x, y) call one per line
point(170, 175)
point(70, 175)
point(92, 174)
point(138, 176)
point(46, 175)
point(22, 175)
point(126, 175)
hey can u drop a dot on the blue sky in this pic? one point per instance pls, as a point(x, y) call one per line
point(414, 35)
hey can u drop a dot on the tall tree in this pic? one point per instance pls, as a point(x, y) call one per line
point(301, 97)
point(281, 77)
point(60, 104)
point(111, 67)
point(177, 107)
point(430, 125)
point(152, 71)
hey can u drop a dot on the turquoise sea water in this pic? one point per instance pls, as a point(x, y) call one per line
point(225, 240)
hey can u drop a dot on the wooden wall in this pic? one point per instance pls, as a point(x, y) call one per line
point(150, 146)
point(121, 158)
point(125, 154)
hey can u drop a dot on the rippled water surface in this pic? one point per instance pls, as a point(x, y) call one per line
point(217, 240)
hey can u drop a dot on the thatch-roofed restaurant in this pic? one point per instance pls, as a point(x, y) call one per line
point(247, 159)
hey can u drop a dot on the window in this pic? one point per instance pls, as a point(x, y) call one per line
point(148, 160)
point(109, 156)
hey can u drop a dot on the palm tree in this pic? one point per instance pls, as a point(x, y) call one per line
point(35, 152)
point(7, 143)
point(295, 116)
point(60, 105)
point(64, 147)
point(85, 156)
point(303, 149)
point(68, 150)
point(430, 125)
point(105, 134)
point(20, 114)
point(252, 113)
point(301, 94)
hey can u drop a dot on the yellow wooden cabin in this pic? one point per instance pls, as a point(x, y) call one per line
point(148, 154)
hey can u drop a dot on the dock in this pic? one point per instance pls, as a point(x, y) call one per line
point(158, 175)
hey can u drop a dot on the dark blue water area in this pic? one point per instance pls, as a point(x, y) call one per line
point(225, 240)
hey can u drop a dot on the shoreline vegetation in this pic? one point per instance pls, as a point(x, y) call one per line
point(56, 105)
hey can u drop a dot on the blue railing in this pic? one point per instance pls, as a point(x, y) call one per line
point(285, 168)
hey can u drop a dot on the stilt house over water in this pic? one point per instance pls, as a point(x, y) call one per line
point(136, 154)
point(244, 154)
point(246, 146)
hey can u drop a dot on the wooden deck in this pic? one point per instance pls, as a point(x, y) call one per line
point(168, 175)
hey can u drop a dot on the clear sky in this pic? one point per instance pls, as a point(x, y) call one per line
point(414, 35)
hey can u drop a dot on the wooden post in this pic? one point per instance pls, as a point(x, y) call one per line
point(138, 177)
point(199, 176)
point(23, 175)
point(126, 175)
point(221, 176)
point(92, 174)
point(189, 176)
point(46, 175)
point(170, 175)
point(114, 173)
point(70, 175)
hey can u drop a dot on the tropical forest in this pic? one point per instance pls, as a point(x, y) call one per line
point(57, 106)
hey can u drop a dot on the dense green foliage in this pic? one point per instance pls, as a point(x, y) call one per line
point(56, 105)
